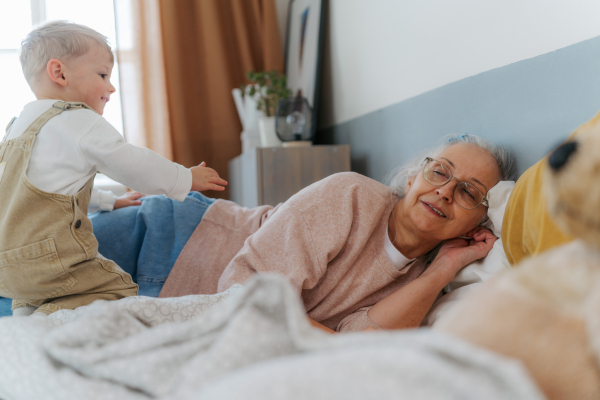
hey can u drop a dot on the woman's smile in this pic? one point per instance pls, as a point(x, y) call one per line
point(433, 209)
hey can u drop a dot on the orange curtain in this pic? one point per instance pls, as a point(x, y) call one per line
point(208, 47)
point(142, 75)
point(179, 61)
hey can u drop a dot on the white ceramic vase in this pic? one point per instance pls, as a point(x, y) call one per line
point(268, 136)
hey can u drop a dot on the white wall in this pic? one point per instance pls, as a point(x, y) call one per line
point(380, 52)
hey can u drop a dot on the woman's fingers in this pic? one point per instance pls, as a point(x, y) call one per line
point(477, 230)
point(483, 247)
point(466, 251)
point(486, 237)
point(481, 234)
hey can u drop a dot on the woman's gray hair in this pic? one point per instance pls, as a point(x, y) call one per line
point(57, 39)
point(398, 178)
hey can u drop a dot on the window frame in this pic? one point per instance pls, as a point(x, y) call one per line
point(38, 16)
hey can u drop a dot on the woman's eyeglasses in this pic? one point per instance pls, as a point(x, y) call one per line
point(466, 195)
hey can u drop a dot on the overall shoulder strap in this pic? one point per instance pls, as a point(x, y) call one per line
point(70, 105)
point(57, 108)
point(8, 128)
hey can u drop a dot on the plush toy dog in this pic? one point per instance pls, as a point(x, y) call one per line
point(546, 311)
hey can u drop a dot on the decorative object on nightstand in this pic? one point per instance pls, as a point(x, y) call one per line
point(266, 88)
point(304, 43)
point(249, 116)
point(272, 175)
point(266, 129)
point(294, 122)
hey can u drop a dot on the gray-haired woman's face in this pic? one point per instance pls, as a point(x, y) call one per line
point(432, 210)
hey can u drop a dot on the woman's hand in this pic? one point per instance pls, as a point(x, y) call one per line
point(128, 199)
point(457, 253)
point(406, 307)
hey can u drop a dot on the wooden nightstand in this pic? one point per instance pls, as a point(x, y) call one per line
point(271, 175)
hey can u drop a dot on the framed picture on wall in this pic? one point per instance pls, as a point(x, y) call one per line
point(303, 50)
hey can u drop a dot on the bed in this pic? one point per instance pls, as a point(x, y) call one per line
point(250, 342)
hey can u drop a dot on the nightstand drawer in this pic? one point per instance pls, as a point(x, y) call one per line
point(272, 175)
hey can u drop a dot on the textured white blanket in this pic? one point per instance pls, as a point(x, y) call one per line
point(251, 342)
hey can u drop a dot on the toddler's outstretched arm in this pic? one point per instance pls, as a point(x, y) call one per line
point(204, 178)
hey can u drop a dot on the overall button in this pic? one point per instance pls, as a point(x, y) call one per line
point(78, 224)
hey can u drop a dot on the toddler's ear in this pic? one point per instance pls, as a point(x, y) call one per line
point(55, 70)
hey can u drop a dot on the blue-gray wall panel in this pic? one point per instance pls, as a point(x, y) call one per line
point(528, 106)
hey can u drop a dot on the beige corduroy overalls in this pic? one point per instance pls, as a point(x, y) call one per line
point(48, 252)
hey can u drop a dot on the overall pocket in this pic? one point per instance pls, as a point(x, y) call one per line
point(33, 272)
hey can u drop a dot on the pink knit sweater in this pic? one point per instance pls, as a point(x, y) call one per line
point(328, 239)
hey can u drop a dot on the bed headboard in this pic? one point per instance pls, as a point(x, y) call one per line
point(529, 106)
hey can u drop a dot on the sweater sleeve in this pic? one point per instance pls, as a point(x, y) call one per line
point(139, 168)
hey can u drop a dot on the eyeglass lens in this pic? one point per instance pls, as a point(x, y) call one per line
point(465, 194)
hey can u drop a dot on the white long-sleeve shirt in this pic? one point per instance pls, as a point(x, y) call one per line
point(72, 146)
point(101, 200)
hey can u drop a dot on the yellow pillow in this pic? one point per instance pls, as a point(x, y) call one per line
point(527, 228)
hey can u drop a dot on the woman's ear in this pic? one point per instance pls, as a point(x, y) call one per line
point(56, 72)
point(409, 183)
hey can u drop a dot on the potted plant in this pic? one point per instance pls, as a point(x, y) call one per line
point(267, 88)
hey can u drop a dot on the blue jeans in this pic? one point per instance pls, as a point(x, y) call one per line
point(145, 240)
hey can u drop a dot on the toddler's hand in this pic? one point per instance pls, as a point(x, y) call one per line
point(128, 199)
point(204, 178)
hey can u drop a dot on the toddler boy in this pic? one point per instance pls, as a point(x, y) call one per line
point(49, 256)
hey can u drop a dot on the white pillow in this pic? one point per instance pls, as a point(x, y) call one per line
point(480, 270)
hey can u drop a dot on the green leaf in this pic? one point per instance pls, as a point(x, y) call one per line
point(268, 87)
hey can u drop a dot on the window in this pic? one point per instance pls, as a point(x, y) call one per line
point(16, 20)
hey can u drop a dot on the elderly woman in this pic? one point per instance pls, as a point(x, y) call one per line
point(361, 254)
point(357, 251)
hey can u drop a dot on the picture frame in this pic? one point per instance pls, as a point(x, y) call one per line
point(304, 42)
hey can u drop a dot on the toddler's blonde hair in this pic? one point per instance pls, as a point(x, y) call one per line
point(57, 39)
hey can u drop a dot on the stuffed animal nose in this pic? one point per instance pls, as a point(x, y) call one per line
point(560, 156)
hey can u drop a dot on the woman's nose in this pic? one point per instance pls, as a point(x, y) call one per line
point(447, 190)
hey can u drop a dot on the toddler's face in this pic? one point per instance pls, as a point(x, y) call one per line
point(88, 78)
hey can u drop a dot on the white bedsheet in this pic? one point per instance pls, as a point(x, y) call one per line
point(251, 342)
